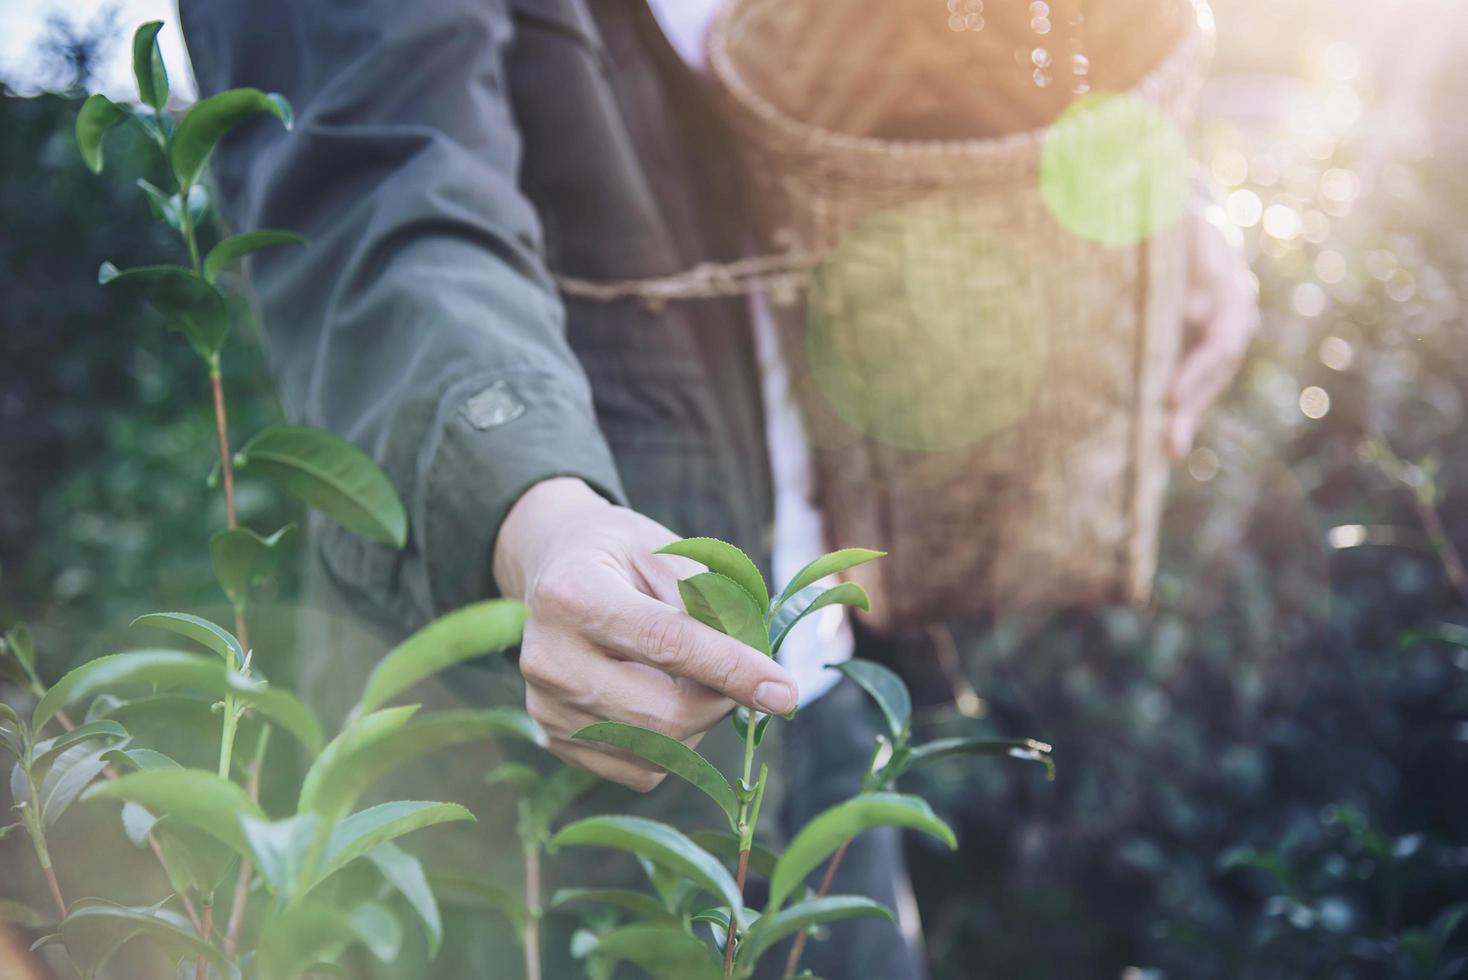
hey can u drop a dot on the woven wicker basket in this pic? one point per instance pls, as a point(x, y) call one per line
point(982, 387)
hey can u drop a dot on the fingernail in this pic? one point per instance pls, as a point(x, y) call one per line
point(774, 698)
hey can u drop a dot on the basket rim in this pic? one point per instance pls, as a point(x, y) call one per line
point(797, 136)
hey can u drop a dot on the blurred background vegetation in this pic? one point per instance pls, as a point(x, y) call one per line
point(1262, 777)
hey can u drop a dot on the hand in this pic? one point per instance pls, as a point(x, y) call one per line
point(1223, 313)
point(607, 638)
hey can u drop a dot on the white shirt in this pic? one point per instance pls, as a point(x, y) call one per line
point(824, 637)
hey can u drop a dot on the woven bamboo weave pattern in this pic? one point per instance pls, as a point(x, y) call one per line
point(982, 387)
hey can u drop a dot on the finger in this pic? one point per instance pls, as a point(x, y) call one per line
point(606, 766)
point(658, 635)
point(1207, 382)
point(1223, 346)
point(570, 672)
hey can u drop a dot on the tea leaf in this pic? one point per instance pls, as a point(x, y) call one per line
point(216, 638)
point(95, 928)
point(820, 838)
point(887, 689)
point(334, 784)
point(162, 668)
point(640, 905)
point(770, 929)
point(137, 823)
point(197, 861)
point(148, 69)
point(553, 794)
point(186, 301)
point(670, 754)
point(472, 631)
point(810, 599)
point(727, 560)
point(294, 941)
point(358, 734)
point(718, 601)
point(19, 641)
point(739, 718)
point(191, 796)
point(168, 208)
point(666, 952)
point(237, 247)
point(331, 475)
point(516, 774)
point(1023, 749)
point(378, 929)
point(97, 115)
point(279, 848)
point(43, 750)
point(209, 119)
point(658, 843)
point(71, 772)
point(366, 829)
point(405, 873)
point(20, 785)
point(836, 561)
point(140, 759)
point(454, 888)
point(241, 558)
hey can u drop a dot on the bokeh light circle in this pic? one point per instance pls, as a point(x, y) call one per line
point(1114, 169)
point(917, 333)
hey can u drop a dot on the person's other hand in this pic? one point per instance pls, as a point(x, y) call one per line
point(1222, 314)
point(607, 638)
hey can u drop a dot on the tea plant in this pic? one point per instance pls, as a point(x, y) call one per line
point(325, 874)
point(732, 597)
point(312, 884)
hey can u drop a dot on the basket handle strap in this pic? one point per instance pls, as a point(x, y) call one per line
point(780, 275)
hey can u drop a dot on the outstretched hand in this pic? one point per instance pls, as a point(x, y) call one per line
point(1222, 315)
point(607, 638)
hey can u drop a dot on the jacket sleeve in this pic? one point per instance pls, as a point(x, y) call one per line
point(420, 321)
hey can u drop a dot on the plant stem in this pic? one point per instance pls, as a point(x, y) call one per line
point(242, 884)
point(201, 965)
point(226, 459)
point(793, 963)
point(532, 910)
point(746, 836)
point(43, 854)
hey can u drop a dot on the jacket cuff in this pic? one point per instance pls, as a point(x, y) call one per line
point(498, 436)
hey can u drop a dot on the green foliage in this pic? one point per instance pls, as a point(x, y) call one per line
point(207, 122)
point(885, 688)
point(243, 559)
point(331, 475)
point(220, 640)
point(669, 754)
point(808, 600)
point(771, 928)
point(464, 634)
point(665, 952)
point(94, 929)
point(236, 247)
point(728, 561)
point(658, 843)
point(824, 835)
point(186, 300)
point(718, 601)
point(148, 70)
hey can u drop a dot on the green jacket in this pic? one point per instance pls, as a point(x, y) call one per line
point(448, 157)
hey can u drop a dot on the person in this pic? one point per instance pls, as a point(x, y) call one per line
point(450, 158)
